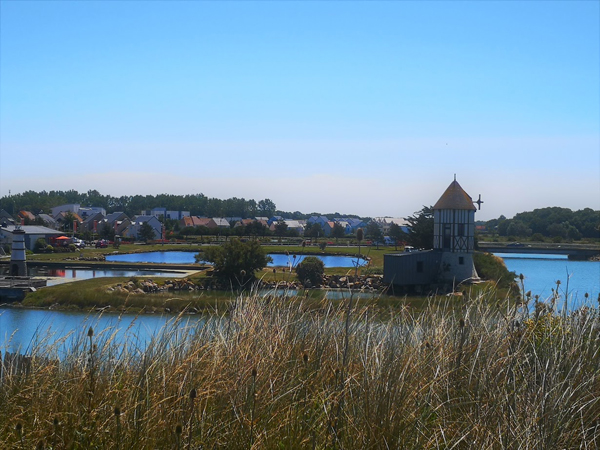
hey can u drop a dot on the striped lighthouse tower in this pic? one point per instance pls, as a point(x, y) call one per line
point(18, 265)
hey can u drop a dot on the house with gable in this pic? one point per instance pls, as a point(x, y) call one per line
point(48, 221)
point(221, 222)
point(195, 221)
point(324, 222)
point(133, 230)
point(90, 223)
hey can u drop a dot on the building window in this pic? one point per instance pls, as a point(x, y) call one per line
point(461, 260)
point(461, 229)
point(419, 266)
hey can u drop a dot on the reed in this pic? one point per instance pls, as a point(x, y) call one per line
point(273, 373)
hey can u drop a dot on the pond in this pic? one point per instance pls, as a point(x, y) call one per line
point(189, 258)
point(23, 329)
point(542, 271)
point(57, 276)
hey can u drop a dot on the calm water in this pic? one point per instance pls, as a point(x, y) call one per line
point(23, 329)
point(85, 274)
point(542, 271)
point(189, 258)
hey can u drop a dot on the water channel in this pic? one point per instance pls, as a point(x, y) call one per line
point(279, 260)
point(24, 328)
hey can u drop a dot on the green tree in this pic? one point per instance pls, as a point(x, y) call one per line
point(310, 271)
point(338, 231)
point(315, 230)
point(235, 262)
point(360, 234)
point(146, 232)
point(395, 233)
point(518, 228)
point(420, 233)
point(68, 220)
point(40, 245)
point(374, 233)
point(106, 231)
point(266, 207)
point(281, 228)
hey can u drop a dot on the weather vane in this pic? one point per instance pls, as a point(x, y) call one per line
point(479, 202)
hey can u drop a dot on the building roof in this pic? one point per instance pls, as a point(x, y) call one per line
point(455, 198)
point(48, 220)
point(33, 229)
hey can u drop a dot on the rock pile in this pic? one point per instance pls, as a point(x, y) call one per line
point(360, 283)
point(147, 286)
point(369, 283)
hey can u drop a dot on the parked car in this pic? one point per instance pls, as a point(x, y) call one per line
point(102, 243)
point(78, 243)
point(515, 244)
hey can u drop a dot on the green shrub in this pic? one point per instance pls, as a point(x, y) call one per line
point(40, 245)
point(537, 237)
point(310, 271)
point(492, 267)
point(235, 262)
point(49, 249)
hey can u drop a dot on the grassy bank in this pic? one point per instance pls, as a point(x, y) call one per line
point(99, 294)
point(275, 374)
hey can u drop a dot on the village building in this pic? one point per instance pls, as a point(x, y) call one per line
point(30, 234)
point(450, 262)
point(194, 221)
point(6, 218)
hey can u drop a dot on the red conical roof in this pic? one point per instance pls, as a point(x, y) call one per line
point(455, 198)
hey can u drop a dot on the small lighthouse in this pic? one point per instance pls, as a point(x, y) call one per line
point(18, 264)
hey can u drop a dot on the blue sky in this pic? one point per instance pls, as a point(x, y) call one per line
point(358, 107)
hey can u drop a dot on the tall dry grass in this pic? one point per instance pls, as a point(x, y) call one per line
point(274, 374)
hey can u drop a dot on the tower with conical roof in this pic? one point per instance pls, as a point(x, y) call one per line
point(450, 262)
point(454, 234)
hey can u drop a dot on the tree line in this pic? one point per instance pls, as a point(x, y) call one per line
point(132, 205)
point(552, 222)
point(196, 204)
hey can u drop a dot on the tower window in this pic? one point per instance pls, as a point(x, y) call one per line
point(461, 260)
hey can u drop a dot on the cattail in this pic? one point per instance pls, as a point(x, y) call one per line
point(117, 411)
point(40, 445)
point(90, 332)
point(253, 372)
point(19, 427)
point(521, 277)
point(305, 358)
point(461, 323)
point(243, 273)
point(193, 394)
point(55, 421)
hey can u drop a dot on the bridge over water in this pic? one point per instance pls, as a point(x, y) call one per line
point(574, 251)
